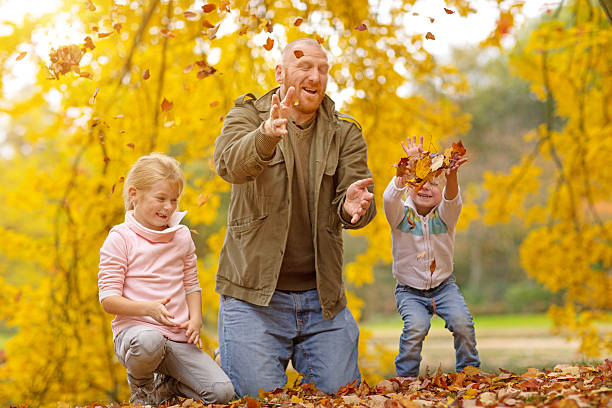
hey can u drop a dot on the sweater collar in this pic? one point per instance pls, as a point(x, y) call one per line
point(154, 235)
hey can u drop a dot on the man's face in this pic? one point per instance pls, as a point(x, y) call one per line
point(307, 74)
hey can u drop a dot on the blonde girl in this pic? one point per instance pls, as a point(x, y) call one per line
point(148, 278)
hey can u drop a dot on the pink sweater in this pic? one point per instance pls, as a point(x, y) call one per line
point(146, 265)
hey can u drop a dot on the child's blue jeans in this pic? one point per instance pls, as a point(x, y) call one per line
point(257, 343)
point(416, 308)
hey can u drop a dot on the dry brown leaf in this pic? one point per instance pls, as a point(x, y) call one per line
point(21, 55)
point(166, 105)
point(269, 44)
point(430, 36)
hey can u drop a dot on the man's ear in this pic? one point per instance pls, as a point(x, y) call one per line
point(278, 74)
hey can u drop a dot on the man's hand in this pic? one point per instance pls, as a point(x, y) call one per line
point(358, 199)
point(276, 124)
point(192, 331)
point(157, 310)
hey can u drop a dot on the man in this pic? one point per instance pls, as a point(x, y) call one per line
point(299, 174)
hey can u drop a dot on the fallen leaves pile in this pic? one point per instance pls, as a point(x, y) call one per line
point(566, 386)
point(425, 166)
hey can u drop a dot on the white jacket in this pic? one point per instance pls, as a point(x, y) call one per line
point(431, 238)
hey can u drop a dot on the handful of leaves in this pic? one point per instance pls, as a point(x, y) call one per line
point(425, 166)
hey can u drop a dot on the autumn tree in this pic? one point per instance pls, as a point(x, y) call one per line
point(569, 247)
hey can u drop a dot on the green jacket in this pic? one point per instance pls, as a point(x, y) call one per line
point(259, 210)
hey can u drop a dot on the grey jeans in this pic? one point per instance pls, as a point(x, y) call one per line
point(144, 351)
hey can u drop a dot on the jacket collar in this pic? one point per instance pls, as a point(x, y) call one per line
point(153, 235)
point(326, 109)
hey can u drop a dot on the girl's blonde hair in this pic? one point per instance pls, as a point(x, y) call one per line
point(150, 169)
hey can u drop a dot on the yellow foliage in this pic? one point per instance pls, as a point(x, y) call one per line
point(569, 248)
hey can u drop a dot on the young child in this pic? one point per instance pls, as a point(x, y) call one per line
point(148, 279)
point(423, 231)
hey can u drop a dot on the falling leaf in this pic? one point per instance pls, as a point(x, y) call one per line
point(104, 35)
point(89, 43)
point(188, 68)
point(190, 15)
point(208, 7)
point(432, 266)
point(166, 105)
point(202, 199)
point(85, 74)
point(211, 33)
point(95, 94)
point(421, 255)
point(269, 27)
point(112, 189)
point(269, 44)
point(298, 53)
point(205, 69)
point(298, 21)
point(194, 232)
point(430, 36)
point(431, 19)
point(320, 39)
point(21, 55)
point(117, 27)
point(415, 13)
point(214, 103)
point(130, 145)
point(167, 33)
point(106, 159)
point(361, 27)
point(207, 24)
point(448, 11)
point(146, 75)
point(90, 5)
point(225, 6)
point(243, 30)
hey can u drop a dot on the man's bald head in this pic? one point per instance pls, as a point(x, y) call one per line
point(288, 52)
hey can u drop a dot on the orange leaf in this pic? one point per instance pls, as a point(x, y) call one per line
point(91, 6)
point(432, 266)
point(190, 15)
point(320, 39)
point(104, 35)
point(208, 7)
point(431, 19)
point(146, 75)
point(188, 68)
point(166, 105)
point(167, 33)
point(21, 55)
point(106, 159)
point(298, 53)
point(430, 36)
point(269, 44)
point(252, 403)
point(112, 189)
point(269, 27)
point(130, 145)
point(89, 43)
point(225, 6)
point(85, 74)
point(361, 27)
point(448, 11)
point(212, 32)
point(243, 30)
point(207, 24)
point(298, 21)
point(117, 27)
point(214, 103)
point(194, 232)
point(423, 167)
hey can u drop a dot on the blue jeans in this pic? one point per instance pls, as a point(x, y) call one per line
point(416, 308)
point(257, 342)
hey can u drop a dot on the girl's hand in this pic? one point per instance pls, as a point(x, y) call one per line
point(157, 310)
point(400, 182)
point(192, 331)
point(412, 148)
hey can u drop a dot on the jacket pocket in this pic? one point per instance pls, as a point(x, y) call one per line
point(242, 227)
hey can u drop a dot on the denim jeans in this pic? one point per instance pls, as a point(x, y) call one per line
point(257, 343)
point(144, 351)
point(416, 308)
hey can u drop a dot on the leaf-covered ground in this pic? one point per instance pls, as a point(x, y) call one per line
point(567, 386)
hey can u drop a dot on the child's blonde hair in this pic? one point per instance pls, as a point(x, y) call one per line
point(150, 169)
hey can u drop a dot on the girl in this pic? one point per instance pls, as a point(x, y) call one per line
point(148, 279)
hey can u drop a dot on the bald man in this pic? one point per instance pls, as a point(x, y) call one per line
point(299, 175)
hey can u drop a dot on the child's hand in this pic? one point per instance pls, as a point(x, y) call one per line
point(158, 311)
point(413, 148)
point(192, 331)
point(453, 170)
point(400, 181)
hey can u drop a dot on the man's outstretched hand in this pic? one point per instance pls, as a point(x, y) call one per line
point(358, 199)
point(276, 124)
